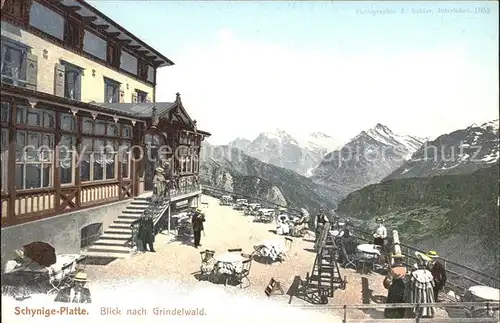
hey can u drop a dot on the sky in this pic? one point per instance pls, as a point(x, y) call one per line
point(242, 68)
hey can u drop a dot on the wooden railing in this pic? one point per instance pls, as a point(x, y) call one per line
point(489, 307)
point(459, 280)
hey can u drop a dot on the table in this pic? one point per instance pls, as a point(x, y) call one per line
point(485, 292)
point(369, 249)
point(229, 263)
point(272, 248)
point(482, 294)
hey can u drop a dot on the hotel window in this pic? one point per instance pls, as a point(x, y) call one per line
point(128, 63)
point(68, 122)
point(5, 113)
point(46, 20)
point(34, 160)
point(13, 63)
point(111, 91)
point(127, 131)
point(139, 97)
point(35, 117)
point(94, 45)
point(67, 148)
point(72, 81)
point(4, 158)
point(98, 156)
point(125, 158)
point(151, 74)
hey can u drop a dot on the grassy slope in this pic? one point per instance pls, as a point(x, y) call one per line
point(456, 214)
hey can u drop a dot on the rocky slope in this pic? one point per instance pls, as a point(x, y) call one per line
point(232, 170)
point(460, 152)
point(281, 149)
point(454, 214)
point(366, 159)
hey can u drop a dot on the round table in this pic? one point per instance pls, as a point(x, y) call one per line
point(485, 292)
point(370, 249)
point(229, 257)
point(229, 263)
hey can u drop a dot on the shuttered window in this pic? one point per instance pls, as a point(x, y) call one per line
point(46, 20)
point(68, 81)
point(19, 66)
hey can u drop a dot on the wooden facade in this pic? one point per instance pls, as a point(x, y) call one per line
point(59, 154)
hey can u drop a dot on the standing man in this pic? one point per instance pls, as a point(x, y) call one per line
point(438, 273)
point(197, 222)
point(321, 221)
point(146, 232)
point(380, 235)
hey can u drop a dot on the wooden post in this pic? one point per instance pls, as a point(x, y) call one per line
point(397, 247)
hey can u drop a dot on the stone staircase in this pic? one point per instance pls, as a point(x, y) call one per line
point(115, 241)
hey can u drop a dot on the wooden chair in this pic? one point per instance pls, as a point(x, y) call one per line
point(207, 265)
point(61, 279)
point(235, 250)
point(239, 277)
point(248, 255)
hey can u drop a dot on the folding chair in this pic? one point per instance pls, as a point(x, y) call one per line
point(207, 266)
point(350, 260)
point(239, 277)
point(61, 279)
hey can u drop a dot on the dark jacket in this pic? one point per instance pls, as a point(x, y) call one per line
point(146, 230)
point(321, 218)
point(197, 221)
point(439, 274)
point(65, 293)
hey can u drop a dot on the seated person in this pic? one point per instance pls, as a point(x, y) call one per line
point(282, 227)
point(77, 293)
point(208, 263)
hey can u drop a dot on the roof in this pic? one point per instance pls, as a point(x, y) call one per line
point(98, 18)
point(141, 110)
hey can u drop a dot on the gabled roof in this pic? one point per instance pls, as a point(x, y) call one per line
point(99, 19)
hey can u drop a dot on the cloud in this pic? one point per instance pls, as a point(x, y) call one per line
point(237, 87)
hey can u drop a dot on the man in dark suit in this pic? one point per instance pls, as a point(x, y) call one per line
point(438, 273)
point(197, 222)
point(77, 293)
point(146, 232)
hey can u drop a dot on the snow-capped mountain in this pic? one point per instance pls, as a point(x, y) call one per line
point(279, 148)
point(460, 152)
point(366, 159)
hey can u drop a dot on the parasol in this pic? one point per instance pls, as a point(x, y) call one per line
point(41, 253)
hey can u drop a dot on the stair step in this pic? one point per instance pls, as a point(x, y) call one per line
point(119, 226)
point(129, 216)
point(120, 231)
point(142, 199)
point(113, 249)
point(112, 242)
point(126, 211)
point(99, 254)
point(128, 221)
point(114, 236)
point(140, 203)
point(135, 207)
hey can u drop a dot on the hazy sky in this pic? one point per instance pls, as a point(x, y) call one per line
point(247, 67)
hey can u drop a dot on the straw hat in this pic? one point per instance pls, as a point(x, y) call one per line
point(422, 256)
point(379, 220)
point(159, 170)
point(397, 256)
point(432, 254)
point(81, 277)
point(18, 254)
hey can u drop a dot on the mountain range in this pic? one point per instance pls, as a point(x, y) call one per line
point(459, 152)
point(231, 170)
point(366, 159)
point(279, 148)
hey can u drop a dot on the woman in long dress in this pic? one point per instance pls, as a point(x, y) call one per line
point(395, 283)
